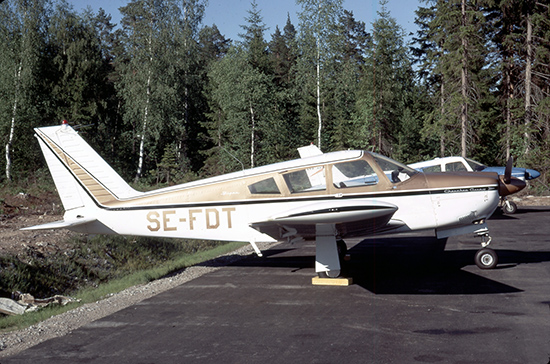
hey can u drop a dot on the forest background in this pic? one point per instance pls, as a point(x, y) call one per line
point(165, 99)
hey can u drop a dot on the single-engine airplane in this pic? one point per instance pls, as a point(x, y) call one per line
point(326, 197)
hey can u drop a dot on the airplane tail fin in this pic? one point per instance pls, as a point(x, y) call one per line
point(309, 151)
point(312, 173)
point(81, 176)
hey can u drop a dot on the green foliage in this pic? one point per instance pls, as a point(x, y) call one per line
point(165, 99)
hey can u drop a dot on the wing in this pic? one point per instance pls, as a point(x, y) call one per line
point(350, 218)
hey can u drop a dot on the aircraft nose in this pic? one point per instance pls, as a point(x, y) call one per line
point(531, 174)
point(515, 185)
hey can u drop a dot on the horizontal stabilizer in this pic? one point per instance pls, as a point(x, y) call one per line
point(62, 224)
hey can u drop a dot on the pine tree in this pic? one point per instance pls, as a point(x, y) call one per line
point(459, 55)
point(389, 81)
point(523, 54)
point(253, 39)
point(348, 66)
point(283, 55)
point(79, 69)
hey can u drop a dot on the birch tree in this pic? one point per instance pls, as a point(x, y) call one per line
point(318, 20)
point(23, 41)
point(159, 79)
point(241, 93)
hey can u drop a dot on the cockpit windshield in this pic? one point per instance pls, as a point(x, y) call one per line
point(395, 171)
point(476, 166)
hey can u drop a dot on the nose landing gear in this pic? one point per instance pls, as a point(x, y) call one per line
point(485, 258)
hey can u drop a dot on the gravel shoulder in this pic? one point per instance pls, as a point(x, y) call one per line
point(13, 342)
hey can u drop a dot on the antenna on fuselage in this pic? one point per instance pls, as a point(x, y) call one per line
point(237, 159)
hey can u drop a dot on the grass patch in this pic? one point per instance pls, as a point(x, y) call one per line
point(95, 268)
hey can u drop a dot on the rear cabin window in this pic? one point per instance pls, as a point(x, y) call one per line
point(306, 180)
point(353, 174)
point(266, 186)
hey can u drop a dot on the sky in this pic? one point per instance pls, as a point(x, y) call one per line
point(229, 15)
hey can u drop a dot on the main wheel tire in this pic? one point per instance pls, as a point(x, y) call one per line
point(342, 249)
point(509, 207)
point(329, 274)
point(486, 258)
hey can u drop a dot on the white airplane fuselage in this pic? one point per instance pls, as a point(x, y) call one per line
point(231, 221)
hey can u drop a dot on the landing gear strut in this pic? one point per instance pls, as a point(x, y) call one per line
point(342, 251)
point(485, 258)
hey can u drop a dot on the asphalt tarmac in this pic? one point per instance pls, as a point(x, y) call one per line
point(413, 300)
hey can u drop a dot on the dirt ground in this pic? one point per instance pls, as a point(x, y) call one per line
point(23, 210)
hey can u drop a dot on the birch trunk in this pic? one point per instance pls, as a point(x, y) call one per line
point(442, 109)
point(319, 95)
point(528, 64)
point(145, 113)
point(464, 80)
point(143, 131)
point(509, 97)
point(252, 132)
point(12, 125)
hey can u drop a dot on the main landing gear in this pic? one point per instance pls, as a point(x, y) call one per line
point(342, 251)
point(485, 258)
point(329, 256)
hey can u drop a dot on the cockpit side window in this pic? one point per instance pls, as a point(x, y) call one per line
point(306, 180)
point(436, 168)
point(455, 167)
point(353, 174)
point(266, 186)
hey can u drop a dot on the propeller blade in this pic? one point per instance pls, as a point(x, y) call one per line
point(508, 170)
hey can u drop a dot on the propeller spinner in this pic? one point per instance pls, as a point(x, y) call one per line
point(508, 184)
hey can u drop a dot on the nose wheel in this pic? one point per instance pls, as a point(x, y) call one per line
point(507, 206)
point(485, 258)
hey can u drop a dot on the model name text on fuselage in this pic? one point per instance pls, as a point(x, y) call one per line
point(462, 190)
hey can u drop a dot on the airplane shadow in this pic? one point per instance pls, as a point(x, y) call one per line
point(417, 266)
point(499, 215)
point(531, 209)
point(411, 265)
